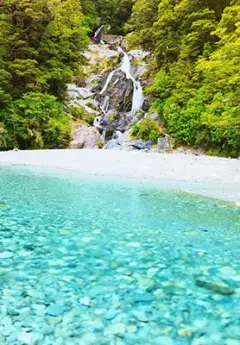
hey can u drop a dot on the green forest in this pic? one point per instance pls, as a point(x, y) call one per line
point(194, 69)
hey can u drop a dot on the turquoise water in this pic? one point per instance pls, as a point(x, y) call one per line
point(94, 261)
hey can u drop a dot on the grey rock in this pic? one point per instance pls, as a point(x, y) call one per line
point(85, 138)
point(142, 145)
point(164, 143)
point(115, 144)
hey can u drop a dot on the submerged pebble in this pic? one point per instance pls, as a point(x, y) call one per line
point(81, 267)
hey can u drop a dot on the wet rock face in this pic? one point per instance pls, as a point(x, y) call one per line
point(119, 91)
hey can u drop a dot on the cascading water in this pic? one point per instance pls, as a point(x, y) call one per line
point(109, 90)
point(138, 98)
point(97, 34)
point(109, 78)
point(105, 104)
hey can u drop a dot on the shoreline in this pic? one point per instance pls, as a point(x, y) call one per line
point(209, 176)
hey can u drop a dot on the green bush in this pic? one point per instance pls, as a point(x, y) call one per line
point(80, 113)
point(35, 121)
point(100, 144)
point(147, 129)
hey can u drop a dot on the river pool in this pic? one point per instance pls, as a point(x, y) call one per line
point(87, 261)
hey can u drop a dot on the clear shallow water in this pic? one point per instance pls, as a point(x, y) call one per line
point(91, 261)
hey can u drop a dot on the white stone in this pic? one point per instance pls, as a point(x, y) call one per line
point(88, 339)
point(232, 342)
point(163, 341)
point(6, 255)
point(117, 328)
point(28, 338)
point(85, 301)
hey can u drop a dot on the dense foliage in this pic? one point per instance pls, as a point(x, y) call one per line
point(35, 121)
point(195, 66)
point(147, 129)
point(111, 13)
point(195, 46)
point(40, 51)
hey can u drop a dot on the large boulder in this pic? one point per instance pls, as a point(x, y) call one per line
point(166, 143)
point(85, 138)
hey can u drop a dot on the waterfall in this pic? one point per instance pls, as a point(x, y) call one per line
point(97, 32)
point(109, 78)
point(138, 96)
point(105, 104)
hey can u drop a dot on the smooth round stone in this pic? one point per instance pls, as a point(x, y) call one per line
point(228, 271)
point(56, 309)
point(144, 298)
point(140, 316)
point(111, 314)
point(163, 341)
point(152, 271)
point(6, 255)
point(88, 339)
point(233, 331)
point(132, 329)
point(85, 301)
point(29, 338)
point(145, 282)
point(118, 328)
point(232, 342)
point(54, 320)
point(185, 332)
point(199, 341)
point(64, 232)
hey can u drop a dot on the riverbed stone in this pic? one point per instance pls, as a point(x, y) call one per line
point(162, 340)
point(216, 287)
point(6, 255)
point(232, 342)
point(28, 338)
point(85, 301)
point(132, 329)
point(141, 316)
point(144, 298)
point(118, 328)
point(56, 309)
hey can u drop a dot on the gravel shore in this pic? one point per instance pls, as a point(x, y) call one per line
point(210, 176)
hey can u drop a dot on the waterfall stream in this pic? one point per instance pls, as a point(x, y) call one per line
point(138, 98)
point(111, 105)
point(109, 78)
point(126, 67)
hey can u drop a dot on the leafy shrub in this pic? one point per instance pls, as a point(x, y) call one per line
point(147, 129)
point(80, 113)
point(100, 144)
point(35, 121)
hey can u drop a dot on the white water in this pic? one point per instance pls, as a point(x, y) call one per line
point(138, 96)
point(109, 78)
point(96, 122)
point(105, 104)
point(98, 30)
